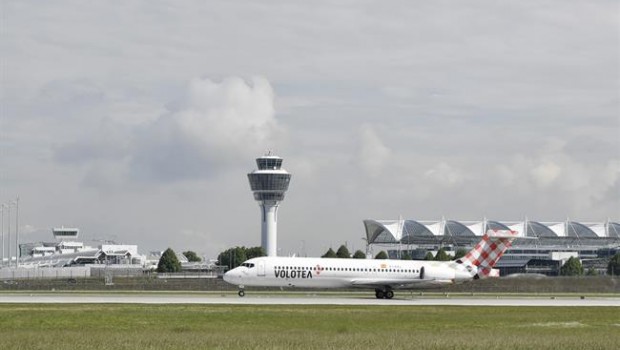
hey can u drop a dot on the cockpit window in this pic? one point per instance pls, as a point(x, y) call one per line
point(248, 265)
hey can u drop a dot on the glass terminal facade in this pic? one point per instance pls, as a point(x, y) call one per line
point(592, 242)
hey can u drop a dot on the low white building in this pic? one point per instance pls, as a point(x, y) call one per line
point(67, 251)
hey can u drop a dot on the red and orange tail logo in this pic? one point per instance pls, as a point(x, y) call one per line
point(488, 251)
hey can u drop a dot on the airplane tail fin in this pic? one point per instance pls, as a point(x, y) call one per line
point(488, 251)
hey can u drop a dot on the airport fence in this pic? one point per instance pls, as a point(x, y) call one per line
point(14, 274)
point(539, 284)
point(107, 283)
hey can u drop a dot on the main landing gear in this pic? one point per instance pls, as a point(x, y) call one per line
point(384, 293)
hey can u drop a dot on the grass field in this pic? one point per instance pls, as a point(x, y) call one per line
point(116, 326)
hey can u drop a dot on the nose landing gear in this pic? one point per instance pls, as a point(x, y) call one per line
point(241, 293)
point(386, 293)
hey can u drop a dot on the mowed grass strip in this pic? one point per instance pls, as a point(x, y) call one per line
point(119, 326)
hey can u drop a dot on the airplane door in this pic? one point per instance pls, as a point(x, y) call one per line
point(261, 268)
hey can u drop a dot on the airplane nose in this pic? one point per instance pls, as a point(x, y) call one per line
point(231, 277)
point(228, 277)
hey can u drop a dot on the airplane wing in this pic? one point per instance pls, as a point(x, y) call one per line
point(397, 283)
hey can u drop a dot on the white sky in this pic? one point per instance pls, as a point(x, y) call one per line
point(138, 120)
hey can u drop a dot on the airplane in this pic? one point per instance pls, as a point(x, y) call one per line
point(384, 276)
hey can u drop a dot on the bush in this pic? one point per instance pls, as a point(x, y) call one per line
point(192, 256)
point(234, 257)
point(168, 262)
point(254, 252)
point(442, 255)
point(429, 256)
point(343, 252)
point(461, 252)
point(405, 256)
point(382, 255)
point(613, 268)
point(359, 255)
point(572, 267)
point(329, 254)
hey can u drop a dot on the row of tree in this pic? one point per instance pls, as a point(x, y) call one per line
point(234, 257)
point(441, 255)
point(170, 263)
point(573, 267)
point(343, 253)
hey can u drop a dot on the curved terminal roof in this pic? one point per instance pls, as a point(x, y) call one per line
point(447, 231)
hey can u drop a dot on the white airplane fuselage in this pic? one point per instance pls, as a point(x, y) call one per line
point(347, 273)
point(381, 275)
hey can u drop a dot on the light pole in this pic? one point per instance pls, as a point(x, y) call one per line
point(2, 231)
point(17, 232)
point(9, 234)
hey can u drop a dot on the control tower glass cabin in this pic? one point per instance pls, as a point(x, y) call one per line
point(269, 184)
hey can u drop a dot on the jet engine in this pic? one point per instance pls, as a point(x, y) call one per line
point(437, 273)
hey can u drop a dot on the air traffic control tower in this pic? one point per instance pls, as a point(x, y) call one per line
point(269, 183)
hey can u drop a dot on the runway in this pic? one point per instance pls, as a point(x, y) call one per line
point(229, 299)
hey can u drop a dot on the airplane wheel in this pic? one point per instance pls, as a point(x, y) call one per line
point(241, 293)
point(389, 294)
point(379, 294)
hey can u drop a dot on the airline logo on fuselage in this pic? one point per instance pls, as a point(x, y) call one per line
point(292, 273)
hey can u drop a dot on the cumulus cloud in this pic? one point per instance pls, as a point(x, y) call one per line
point(554, 173)
point(545, 174)
point(215, 124)
point(444, 175)
point(373, 154)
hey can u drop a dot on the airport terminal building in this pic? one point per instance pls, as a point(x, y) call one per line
point(541, 247)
